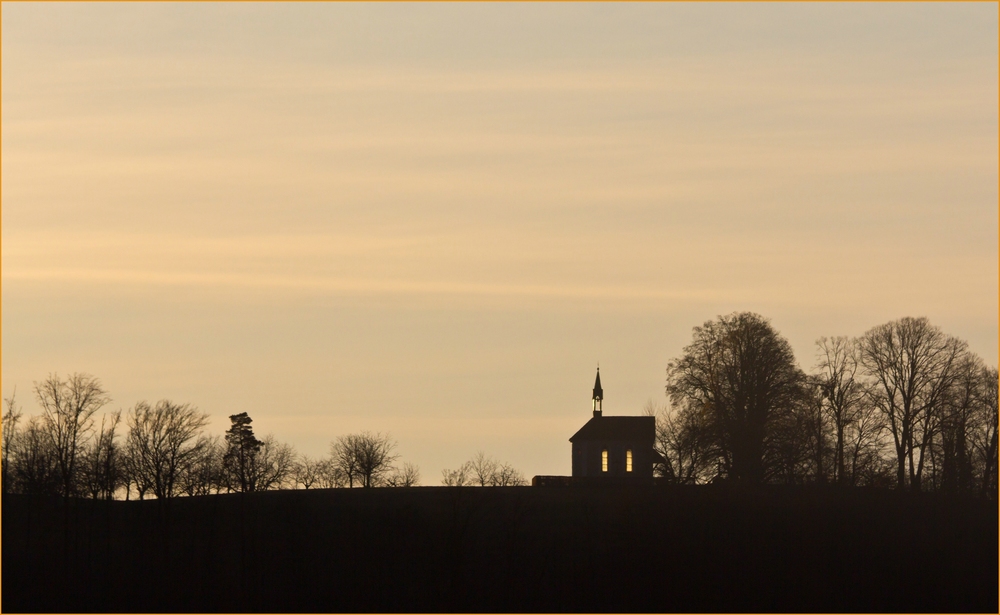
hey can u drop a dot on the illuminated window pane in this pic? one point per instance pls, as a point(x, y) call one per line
point(628, 461)
point(604, 460)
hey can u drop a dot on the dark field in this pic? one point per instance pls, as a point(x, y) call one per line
point(579, 549)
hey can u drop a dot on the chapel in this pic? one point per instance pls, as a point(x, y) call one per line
point(614, 447)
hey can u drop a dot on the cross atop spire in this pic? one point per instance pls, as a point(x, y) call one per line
point(598, 393)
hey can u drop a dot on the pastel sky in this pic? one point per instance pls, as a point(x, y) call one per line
point(434, 220)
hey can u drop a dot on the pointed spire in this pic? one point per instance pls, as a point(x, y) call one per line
point(598, 393)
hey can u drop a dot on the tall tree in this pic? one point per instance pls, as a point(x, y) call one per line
point(68, 407)
point(797, 445)
point(984, 436)
point(163, 442)
point(912, 365)
point(743, 374)
point(865, 443)
point(958, 421)
point(843, 395)
point(240, 459)
point(11, 416)
point(102, 468)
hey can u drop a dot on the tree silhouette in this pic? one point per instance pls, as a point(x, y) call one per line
point(913, 366)
point(102, 470)
point(456, 478)
point(272, 466)
point(12, 414)
point(34, 465)
point(984, 437)
point(307, 472)
point(957, 423)
point(364, 458)
point(68, 407)
point(406, 476)
point(374, 454)
point(203, 475)
point(685, 444)
point(241, 452)
point(742, 375)
point(483, 471)
point(843, 395)
point(162, 444)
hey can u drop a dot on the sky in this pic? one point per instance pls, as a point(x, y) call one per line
point(435, 220)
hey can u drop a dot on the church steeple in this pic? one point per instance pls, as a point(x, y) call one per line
point(598, 393)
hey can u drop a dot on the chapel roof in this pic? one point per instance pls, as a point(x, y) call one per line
point(617, 428)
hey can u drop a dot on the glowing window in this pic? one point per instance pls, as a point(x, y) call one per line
point(628, 461)
point(604, 460)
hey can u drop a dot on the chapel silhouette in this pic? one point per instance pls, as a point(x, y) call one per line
point(610, 449)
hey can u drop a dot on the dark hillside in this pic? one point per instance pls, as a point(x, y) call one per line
point(504, 549)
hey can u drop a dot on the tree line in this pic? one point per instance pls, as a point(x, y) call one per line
point(903, 406)
point(483, 471)
point(164, 452)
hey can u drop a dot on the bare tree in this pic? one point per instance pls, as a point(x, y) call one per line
point(457, 478)
point(483, 469)
point(203, 475)
point(344, 457)
point(913, 365)
point(364, 458)
point(135, 474)
point(375, 458)
point(162, 444)
point(306, 472)
point(864, 443)
point(957, 423)
point(407, 476)
point(984, 434)
point(311, 473)
point(102, 470)
point(507, 476)
point(11, 416)
point(331, 475)
point(68, 407)
point(685, 444)
point(272, 466)
point(35, 467)
point(797, 442)
point(843, 394)
point(742, 374)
